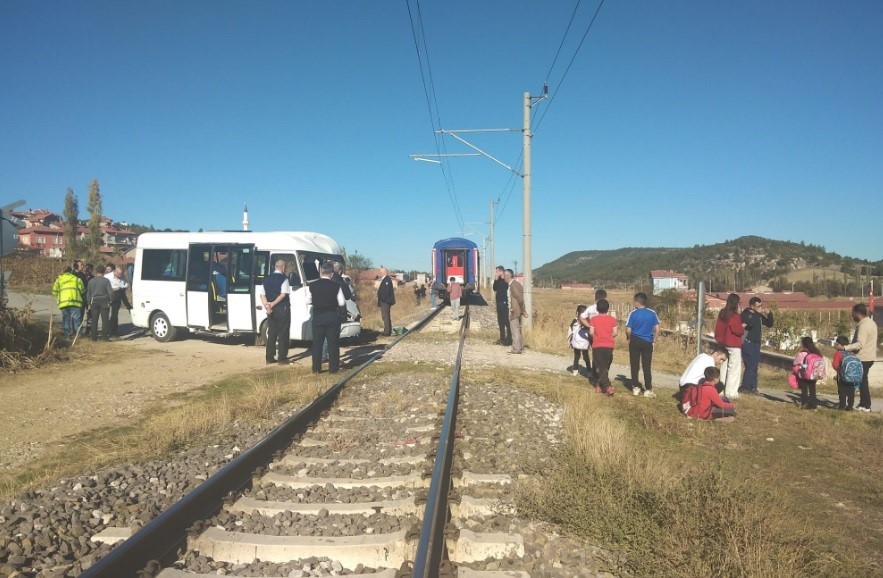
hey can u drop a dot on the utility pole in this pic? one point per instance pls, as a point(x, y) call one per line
point(529, 101)
point(492, 265)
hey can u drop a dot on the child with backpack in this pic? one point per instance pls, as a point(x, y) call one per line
point(578, 338)
point(702, 401)
point(809, 367)
point(849, 374)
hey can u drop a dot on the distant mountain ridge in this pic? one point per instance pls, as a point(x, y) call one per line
point(749, 260)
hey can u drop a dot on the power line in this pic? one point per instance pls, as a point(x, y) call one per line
point(563, 38)
point(572, 59)
point(435, 120)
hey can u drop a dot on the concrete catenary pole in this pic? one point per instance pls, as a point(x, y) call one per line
point(493, 263)
point(526, 241)
point(700, 310)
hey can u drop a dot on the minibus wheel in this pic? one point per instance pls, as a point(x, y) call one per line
point(261, 338)
point(161, 328)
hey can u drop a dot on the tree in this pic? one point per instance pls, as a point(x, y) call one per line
point(71, 222)
point(357, 263)
point(94, 208)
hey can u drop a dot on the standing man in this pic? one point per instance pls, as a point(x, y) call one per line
point(120, 286)
point(99, 295)
point(68, 290)
point(515, 297)
point(278, 307)
point(864, 344)
point(326, 297)
point(641, 330)
point(501, 291)
point(753, 318)
point(386, 298)
point(455, 291)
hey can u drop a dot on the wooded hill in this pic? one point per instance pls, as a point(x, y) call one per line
point(746, 261)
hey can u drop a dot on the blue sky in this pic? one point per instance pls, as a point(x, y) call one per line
point(678, 123)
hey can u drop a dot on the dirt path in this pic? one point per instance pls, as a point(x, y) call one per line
point(42, 406)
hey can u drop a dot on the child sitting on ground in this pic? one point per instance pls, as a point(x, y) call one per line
point(579, 341)
point(701, 401)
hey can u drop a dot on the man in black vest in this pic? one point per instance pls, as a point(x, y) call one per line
point(386, 298)
point(501, 289)
point(325, 295)
point(278, 308)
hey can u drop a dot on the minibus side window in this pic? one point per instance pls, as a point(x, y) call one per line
point(198, 270)
point(261, 266)
point(290, 268)
point(163, 264)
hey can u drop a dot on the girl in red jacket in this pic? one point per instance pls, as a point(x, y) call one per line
point(728, 331)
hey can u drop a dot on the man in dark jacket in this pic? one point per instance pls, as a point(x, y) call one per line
point(753, 318)
point(501, 289)
point(99, 294)
point(278, 307)
point(326, 296)
point(386, 298)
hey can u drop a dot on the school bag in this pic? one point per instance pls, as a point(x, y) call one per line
point(578, 338)
point(689, 397)
point(813, 367)
point(851, 369)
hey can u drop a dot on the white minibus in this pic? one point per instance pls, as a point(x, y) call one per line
point(207, 282)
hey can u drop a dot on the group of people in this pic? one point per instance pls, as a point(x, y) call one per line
point(707, 392)
point(327, 296)
point(509, 298)
point(86, 295)
point(595, 329)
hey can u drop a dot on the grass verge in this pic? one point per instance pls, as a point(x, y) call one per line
point(178, 421)
point(779, 492)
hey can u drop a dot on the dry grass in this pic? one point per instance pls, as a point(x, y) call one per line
point(405, 307)
point(178, 421)
point(25, 343)
point(32, 273)
point(679, 497)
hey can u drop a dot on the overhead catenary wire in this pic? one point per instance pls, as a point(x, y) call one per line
point(510, 184)
point(434, 117)
point(569, 64)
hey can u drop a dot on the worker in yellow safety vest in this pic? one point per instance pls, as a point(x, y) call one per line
point(68, 290)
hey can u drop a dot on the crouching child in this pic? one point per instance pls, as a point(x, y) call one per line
point(702, 401)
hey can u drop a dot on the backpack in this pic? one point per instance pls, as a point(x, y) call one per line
point(689, 397)
point(851, 369)
point(578, 338)
point(813, 367)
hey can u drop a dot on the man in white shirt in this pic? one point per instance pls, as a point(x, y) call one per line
point(695, 372)
point(119, 285)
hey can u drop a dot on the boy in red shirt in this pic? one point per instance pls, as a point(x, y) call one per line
point(702, 401)
point(603, 329)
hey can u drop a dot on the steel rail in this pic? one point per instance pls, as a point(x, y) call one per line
point(169, 529)
point(431, 545)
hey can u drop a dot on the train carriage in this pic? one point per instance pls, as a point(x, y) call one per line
point(458, 258)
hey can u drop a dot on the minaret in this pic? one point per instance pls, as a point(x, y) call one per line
point(245, 217)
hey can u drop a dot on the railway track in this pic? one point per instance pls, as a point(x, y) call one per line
point(365, 480)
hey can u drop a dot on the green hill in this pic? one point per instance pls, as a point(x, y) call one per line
point(746, 261)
